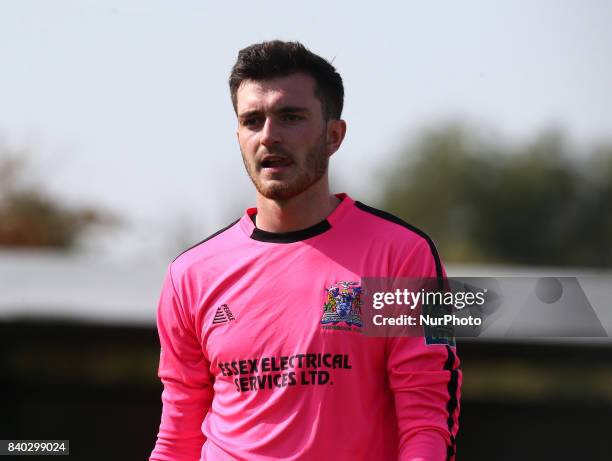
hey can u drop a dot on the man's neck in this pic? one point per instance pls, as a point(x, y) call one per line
point(297, 213)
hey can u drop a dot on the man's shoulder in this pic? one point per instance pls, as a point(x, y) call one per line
point(213, 245)
point(383, 224)
point(391, 233)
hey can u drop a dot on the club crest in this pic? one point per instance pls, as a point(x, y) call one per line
point(343, 304)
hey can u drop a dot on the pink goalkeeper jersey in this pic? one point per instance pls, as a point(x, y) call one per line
point(254, 368)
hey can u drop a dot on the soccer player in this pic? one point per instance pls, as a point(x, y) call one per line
point(263, 354)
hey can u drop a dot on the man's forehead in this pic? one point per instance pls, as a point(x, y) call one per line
point(293, 90)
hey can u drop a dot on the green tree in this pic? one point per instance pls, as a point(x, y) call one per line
point(485, 202)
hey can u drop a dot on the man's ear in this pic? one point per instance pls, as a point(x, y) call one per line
point(336, 130)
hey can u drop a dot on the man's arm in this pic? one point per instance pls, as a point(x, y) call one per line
point(425, 380)
point(184, 372)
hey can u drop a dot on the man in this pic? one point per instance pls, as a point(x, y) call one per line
point(263, 356)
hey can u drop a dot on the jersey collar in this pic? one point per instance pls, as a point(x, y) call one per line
point(247, 223)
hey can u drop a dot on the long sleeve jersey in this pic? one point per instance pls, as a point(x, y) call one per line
point(256, 365)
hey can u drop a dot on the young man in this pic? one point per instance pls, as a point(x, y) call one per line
point(263, 356)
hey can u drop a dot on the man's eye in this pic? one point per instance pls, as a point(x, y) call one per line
point(291, 117)
point(250, 121)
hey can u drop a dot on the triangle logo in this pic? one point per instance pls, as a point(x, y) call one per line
point(223, 315)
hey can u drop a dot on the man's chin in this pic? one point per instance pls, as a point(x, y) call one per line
point(280, 190)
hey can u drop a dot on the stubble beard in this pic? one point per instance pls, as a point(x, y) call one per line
point(315, 166)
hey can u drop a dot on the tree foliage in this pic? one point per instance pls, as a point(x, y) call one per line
point(482, 201)
point(31, 217)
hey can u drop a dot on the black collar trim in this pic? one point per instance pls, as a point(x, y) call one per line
point(289, 237)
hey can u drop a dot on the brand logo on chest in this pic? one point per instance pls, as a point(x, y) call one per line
point(223, 315)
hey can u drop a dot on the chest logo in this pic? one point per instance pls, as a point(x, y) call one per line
point(223, 315)
point(343, 304)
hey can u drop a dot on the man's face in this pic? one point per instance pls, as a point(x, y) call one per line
point(282, 135)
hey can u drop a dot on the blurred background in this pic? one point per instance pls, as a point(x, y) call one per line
point(486, 124)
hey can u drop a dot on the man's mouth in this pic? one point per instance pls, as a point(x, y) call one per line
point(275, 162)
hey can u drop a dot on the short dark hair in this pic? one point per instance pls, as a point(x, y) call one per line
point(267, 60)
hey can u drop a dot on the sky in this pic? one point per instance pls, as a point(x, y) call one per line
point(125, 103)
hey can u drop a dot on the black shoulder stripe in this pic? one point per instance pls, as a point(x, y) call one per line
point(401, 222)
point(452, 403)
point(207, 238)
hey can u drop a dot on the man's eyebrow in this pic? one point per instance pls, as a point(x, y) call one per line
point(291, 109)
point(249, 113)
point(279, 110)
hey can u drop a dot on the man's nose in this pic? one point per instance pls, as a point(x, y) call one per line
point(270, 133)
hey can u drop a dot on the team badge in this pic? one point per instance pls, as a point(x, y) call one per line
point(343, 304)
